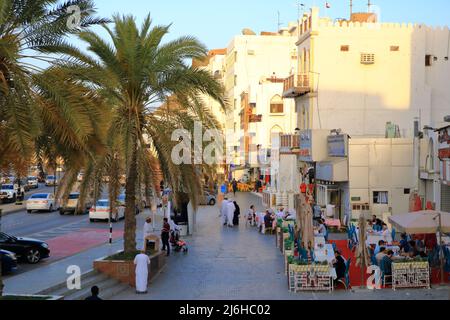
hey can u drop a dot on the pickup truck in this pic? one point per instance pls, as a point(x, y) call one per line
point(11, 192)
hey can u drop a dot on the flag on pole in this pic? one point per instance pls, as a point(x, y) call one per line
point(327, 5)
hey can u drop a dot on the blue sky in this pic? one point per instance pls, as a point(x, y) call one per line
point(216, 22)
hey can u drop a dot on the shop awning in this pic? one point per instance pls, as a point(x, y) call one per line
point(333, 170)
point(421, 222)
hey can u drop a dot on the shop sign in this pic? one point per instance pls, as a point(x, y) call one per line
point(305, 153)
point(338, 146)
point(444, 153)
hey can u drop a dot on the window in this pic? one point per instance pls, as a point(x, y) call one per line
point(428, 60)
point(276, 105)
point(235, 80)
point(345, 48)
point(380, 197)
point(251, 52)
point(367, 58)
point(395, 48)
point(235, 104)
point(407, 191)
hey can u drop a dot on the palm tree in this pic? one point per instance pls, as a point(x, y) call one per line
point(137, 71)
point(36, 103)
point(30, 30)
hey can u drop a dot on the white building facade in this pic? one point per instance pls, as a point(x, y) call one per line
point(379, 84)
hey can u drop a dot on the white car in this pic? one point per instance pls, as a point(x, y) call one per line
point(10, 192)
point(100, 211)
point(42, 202)
point(33, 182)
point(51, 181)
point(80, 177)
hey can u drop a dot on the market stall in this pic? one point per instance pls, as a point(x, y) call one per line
point(412, 273)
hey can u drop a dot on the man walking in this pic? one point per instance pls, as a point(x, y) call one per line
point(230, 213)
point(235, 186)
point(223, 211)
point(142, 261)
point(165, 235)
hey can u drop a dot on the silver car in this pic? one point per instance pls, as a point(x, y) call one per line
point(208, 199)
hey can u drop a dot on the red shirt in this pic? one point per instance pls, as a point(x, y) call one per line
point(166, 228)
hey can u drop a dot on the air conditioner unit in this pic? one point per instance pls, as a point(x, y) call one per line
point(367, 58)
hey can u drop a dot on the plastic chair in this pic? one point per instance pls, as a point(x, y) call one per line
point(291, 231)
point(346, 280)
point(303, 254)
point(383, 274)
point(393, 233)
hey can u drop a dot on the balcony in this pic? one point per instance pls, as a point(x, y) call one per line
point(255, 118)
point(290, 144)
point(296, 85)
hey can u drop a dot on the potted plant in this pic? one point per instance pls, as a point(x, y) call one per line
point(120, 266)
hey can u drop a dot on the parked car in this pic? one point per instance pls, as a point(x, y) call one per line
point(101, 209)
point(8, 260)
point(80, 177)
point(208, 199)
point(33, 182)
point(51, 181)
point(42, 202)
point(121, 200)
point(23, 184)
point(10, 192)
point(72, 204)
point(26, 249)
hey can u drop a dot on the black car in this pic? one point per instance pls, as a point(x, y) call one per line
point(30, 250)
point(8, 260)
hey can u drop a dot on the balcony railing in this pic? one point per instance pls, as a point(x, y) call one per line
point(255, 118)
point(297, 85)
point(290, 143)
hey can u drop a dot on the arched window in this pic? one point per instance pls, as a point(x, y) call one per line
point(276, 104)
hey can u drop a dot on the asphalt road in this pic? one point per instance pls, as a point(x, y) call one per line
point(45, 226)
point(12, 207)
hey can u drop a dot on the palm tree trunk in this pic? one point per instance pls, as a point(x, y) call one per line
point(130, 205)
point(1, 280)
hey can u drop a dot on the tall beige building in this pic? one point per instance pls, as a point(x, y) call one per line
point(380, 83)
point(254, 68)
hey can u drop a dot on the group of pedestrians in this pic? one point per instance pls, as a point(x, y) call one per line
point(230, 213)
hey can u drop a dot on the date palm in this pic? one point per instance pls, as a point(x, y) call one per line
point(34, 104)
point(137, 71)
point(30, 30)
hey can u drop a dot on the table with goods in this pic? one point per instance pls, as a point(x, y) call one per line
point(407, 273)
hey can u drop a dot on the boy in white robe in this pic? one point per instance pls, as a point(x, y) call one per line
point(223, 211)
point(142, 261)
point(230, 213)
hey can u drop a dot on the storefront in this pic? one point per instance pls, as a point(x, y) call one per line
point(332, 179)
point(313, 149)
point(444, 157)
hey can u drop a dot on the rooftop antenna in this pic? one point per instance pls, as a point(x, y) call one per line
point(351, 8)
point(279, 21)
point(301, 9)
point(369, 5)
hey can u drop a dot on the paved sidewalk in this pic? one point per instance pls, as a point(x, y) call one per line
point(239, 263)
point(47, 276)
